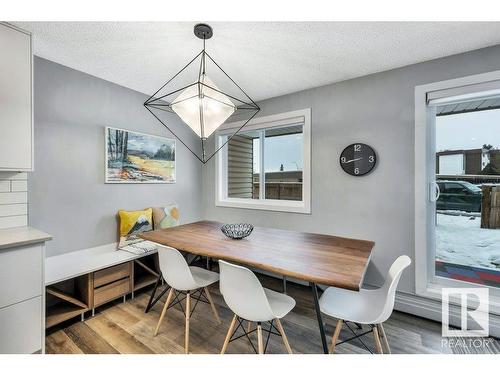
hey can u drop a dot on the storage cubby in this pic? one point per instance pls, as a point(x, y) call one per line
point(145, 271)
point(70, 298)
point(67, 300)
point(111, 283)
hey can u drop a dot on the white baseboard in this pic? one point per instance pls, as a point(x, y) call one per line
point(431, 309)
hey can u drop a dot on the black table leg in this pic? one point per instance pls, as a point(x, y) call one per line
point(320, 319)
point(152, 300)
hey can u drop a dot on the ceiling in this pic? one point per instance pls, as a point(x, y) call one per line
point(266, 59)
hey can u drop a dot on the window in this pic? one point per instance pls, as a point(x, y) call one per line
point(267, 165)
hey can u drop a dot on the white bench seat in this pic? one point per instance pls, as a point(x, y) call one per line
point(76, 263)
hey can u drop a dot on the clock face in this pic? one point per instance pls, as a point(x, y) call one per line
point(358, 159)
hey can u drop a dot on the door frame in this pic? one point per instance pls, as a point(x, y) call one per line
point(427, 284)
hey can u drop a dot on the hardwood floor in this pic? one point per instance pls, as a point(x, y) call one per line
point(125, 328)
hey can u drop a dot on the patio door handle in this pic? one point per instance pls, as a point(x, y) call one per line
point(434, 191)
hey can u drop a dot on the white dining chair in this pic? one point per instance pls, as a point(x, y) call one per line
point(184, 279)
point(368, 306)
point(251, 302)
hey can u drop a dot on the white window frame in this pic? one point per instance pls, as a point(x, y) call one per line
point(427, 284)
point(282, 119)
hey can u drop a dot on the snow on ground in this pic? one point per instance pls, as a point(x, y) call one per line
point(461, 240)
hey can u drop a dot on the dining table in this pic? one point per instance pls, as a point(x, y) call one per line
point(317, 259)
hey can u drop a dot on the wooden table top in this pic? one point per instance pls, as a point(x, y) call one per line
point(318, 258)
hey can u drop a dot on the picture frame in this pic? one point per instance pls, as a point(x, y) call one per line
point(137, 158)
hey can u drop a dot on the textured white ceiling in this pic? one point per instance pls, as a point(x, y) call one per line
point(266, 59)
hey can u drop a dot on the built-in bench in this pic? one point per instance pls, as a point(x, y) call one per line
point(80, 281)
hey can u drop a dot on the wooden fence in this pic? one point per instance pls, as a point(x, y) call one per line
point(490, 209)
point(290, 191)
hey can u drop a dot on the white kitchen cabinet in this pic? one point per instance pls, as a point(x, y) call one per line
point(16, 99)
point(21, 329)
point(22, 290)
point(20, 274)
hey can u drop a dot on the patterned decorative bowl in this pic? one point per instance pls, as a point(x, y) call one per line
point(237, 231)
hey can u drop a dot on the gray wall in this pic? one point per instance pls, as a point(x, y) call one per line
point(377, 110)
point(67, 194)
point(68, 197)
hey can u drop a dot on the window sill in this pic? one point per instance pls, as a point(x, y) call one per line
point(266, 205)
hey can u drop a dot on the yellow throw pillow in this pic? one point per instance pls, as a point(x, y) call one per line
point(134, 222)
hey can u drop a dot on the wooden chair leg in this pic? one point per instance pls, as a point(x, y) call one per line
point(336, 334)
point(283, 336)
point(188, 315)
point(214, 309)
point(229, 334)
point(249, 327)
point(165, 308)
point(384, 337)
point(377, 340)
point(259, 338)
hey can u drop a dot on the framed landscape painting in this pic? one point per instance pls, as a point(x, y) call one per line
point(133, 157)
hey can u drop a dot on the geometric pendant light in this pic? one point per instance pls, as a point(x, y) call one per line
point(201, 103)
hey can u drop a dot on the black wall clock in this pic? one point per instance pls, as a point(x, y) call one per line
point(358, 159)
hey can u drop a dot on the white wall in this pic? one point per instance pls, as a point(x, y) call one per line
point(377, 110)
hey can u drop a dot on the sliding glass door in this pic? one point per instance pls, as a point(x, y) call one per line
point(457, 196)
point(467, 209)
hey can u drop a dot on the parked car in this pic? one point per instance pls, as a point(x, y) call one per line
point(459, 195)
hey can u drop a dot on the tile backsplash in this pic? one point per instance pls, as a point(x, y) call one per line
point(13, 199)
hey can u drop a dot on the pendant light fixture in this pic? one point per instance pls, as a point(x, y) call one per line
point(201, 103)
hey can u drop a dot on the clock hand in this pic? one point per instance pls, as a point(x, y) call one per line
point(350, 161)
